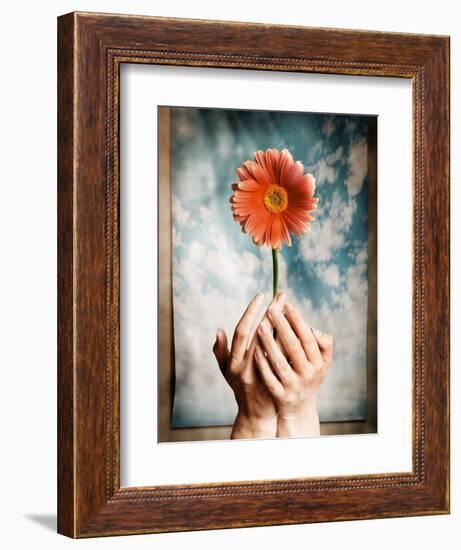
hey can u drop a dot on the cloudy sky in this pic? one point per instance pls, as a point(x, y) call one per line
point(217, 269)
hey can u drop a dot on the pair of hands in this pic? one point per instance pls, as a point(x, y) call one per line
point(275, 380)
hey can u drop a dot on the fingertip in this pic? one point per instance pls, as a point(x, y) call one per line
point(274, 312)
point(325, 340)
point(258, 299)
point(319, 335)
point(329, 339)
point(264, 327)
point(215, 345)
point(280, 297)
point(220, 336)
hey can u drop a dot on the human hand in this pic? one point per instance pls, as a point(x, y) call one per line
point(257, 415)
point(294, 387)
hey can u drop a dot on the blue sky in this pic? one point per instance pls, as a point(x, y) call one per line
point(217, 269)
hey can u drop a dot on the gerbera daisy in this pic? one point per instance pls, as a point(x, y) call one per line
point(274, 198)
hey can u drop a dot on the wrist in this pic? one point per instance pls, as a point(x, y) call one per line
point(303, 423)
point(253, 427)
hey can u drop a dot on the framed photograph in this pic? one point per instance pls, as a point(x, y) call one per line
point(329, 273)
point(253, 275)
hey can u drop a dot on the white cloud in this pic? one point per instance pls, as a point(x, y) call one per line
point(324, 173)
point(250, 262)
point(324, 170)
point(196, 252)
point(329, 230)
point(189, 274)
point(329, 126)
point(205, 214)
point(350, 125)
point(181, 215)
point(197, 168)
point(330, 275)
point(336, 156)
point(358, 165)
point(177, 238)
point(356, 283)
point(361, 256)
point(312, 153)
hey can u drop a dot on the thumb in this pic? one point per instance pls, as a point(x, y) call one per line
point(221, 351)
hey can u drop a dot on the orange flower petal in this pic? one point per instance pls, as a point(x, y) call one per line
point(286, 165)
point(243, 210)
point(285, 233)
point(295, 173)
point(245, 196)
point(260, 174)
point(238, 218)
point(260, 157)
point(273, 234)
point(250, 185)
point(295, 224)
point(260, 177)
point(303, 203)
point(300, 215)
point(243, 173)
point(272, 159)
point(304, 184)
point(256, 224)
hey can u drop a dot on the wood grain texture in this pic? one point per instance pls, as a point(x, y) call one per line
point(66, 509)
point(91, 49)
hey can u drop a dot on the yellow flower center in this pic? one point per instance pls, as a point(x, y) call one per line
point(275, 199)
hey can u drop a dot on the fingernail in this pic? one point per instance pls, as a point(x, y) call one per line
point(264, 327)
point(281, 296)
point(288, 306)
point(316, 331)
point(274, 312)
point(259, 296)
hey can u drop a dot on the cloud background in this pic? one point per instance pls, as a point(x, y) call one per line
point(217, 269)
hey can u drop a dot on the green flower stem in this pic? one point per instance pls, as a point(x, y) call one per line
point(275, 270)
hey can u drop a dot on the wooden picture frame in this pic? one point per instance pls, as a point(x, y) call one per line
point(91, 48)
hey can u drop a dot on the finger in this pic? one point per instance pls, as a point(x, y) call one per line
point(325, 342)
point(275, 357)
point(269, 379)
point(242, 330)
point(280, 345)
point(280, 299)
point(220, 350)
point(304, 334)
point(289, 339)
